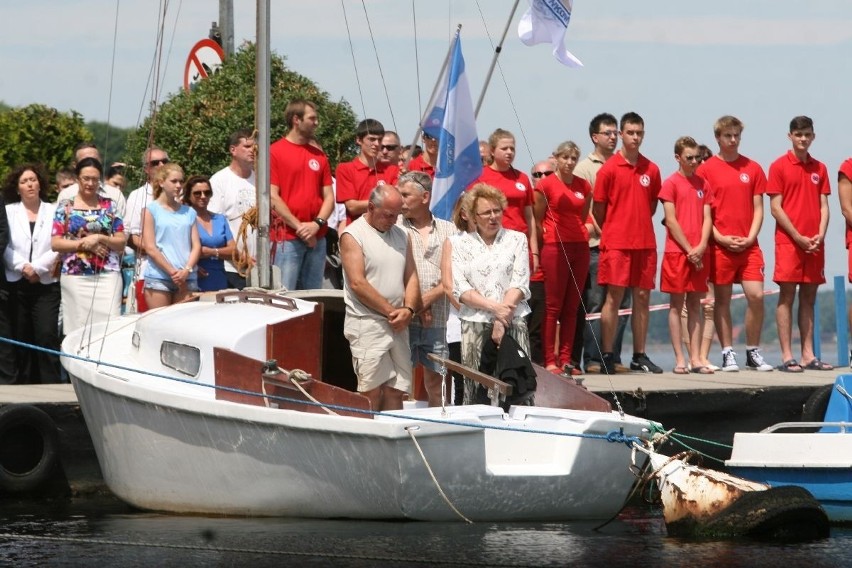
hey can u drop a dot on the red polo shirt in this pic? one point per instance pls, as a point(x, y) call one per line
point(517, 188)
point(630, 194)
point(565, 202)
point(300, 171)
point(355, 180)
point(734, 186)
point(418, 164)
point(846, 169)
point(800, 183)
point(689, 195)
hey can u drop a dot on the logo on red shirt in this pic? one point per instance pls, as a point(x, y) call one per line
point(815, 179)
point(314, 165)
point(700, 194)
point(644, 180)
point(579, 194)
point(744, 177)
point(520, 186)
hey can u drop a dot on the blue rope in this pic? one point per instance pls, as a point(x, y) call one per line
point(614, 436)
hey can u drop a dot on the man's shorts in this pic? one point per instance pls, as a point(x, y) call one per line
point(380, 356)
point(735, 267)
point(793, 265)
point(161, 285)
point(678, 275)
point(628, 268)
point(425, 340)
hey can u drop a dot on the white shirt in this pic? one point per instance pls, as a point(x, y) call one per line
point(137, 201)
point(490, 270)
point(110, 191)
point(27, 247)
point(232, 197)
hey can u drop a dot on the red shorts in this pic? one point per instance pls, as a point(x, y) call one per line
point(628, 268)
point(678, 275)
point(793, 265)
point(728, 267)
point(849, 263)
point(141, 304)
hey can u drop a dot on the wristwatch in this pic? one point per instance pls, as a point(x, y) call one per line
point(320, 221)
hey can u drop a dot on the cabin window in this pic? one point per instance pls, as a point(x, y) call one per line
point(182, 358)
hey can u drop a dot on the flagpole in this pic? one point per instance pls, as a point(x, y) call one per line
point(434, 90)
point(497, 51)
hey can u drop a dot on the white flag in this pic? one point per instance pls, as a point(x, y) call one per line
point(546, 22)
point(450, 120)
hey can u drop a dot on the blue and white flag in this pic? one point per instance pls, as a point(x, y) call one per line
point(546, 22)
point(451, 121)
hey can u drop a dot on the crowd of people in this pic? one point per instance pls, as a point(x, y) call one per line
point(548, 262)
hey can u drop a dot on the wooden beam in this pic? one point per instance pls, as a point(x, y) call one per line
point(496, 386)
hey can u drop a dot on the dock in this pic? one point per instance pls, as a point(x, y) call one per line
point(705, 409)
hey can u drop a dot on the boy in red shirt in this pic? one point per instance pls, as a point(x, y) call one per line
point(686, 265)
point(625, 199)
point(738, 186)
point(844, 193)
point(357, 179)
point(798, 189)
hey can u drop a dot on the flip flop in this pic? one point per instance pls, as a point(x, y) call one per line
point(817, 365)
point(680, 370)
point(702, 370)
point(788, 366)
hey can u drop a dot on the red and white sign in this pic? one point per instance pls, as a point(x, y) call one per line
point(204, 59)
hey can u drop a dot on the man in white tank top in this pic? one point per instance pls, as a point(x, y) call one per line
point(382, 295)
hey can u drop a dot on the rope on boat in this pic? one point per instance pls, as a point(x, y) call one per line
point(614, 436)
point(676, 438)
point(410, 430)
point(295, 376)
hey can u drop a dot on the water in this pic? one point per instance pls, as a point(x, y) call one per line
point(101, 530)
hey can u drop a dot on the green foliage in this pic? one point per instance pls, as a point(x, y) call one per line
point(37, 133)
point(193, 127)
point(110, 140)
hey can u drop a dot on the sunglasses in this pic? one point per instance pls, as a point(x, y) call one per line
point(390, 147)
point(545, 173)
point(154, 163)
point(698, 159)
point(203, 193)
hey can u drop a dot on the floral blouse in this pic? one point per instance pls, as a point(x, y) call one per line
point(75, 224)
point(490, 270)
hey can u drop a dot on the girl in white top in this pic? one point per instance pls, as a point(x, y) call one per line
point(29, 264)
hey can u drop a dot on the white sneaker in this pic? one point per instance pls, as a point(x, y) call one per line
point(755, 362)
point(729, 362)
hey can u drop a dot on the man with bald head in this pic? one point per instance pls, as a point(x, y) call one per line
point(382, 295)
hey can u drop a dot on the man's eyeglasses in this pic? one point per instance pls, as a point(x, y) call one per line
point(609, 133)
point(203, 193)
point(390, 147)
point(545, 173)
point(155, 163)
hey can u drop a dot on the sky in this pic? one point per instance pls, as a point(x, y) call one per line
point(679, 64)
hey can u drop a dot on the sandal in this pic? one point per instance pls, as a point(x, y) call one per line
point(790, 366)
point(702, 370)
point(817, 365)
point(553, 369)
point(680, 370)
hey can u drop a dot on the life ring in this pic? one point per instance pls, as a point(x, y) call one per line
point(814, 408)
point(28, 447)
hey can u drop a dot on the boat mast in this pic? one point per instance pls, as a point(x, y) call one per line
point(262, 81)
point(497, 51)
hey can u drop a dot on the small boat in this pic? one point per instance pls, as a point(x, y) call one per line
point(226, 406)
point(814, 455)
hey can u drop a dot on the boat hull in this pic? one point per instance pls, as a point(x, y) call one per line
point(162, 451)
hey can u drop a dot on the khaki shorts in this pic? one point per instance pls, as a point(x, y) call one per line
point(379, 355)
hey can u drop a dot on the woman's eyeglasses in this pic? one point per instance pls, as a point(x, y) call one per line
point(203, 193)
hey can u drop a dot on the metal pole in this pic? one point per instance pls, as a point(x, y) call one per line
point(842, 323)
point(497, 51)
point(226, 25)
point(262, 79)
point(432, 96)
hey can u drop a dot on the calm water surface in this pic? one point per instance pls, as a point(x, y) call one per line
point(90, 531)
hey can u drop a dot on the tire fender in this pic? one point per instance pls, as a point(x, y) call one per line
point(29, 447)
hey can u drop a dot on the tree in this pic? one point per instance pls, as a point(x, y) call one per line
point(110, 140)
point(193, 127)
point(38, 133)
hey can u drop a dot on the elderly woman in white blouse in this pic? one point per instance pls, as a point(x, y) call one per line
point(490, 279)
point(29, 263)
